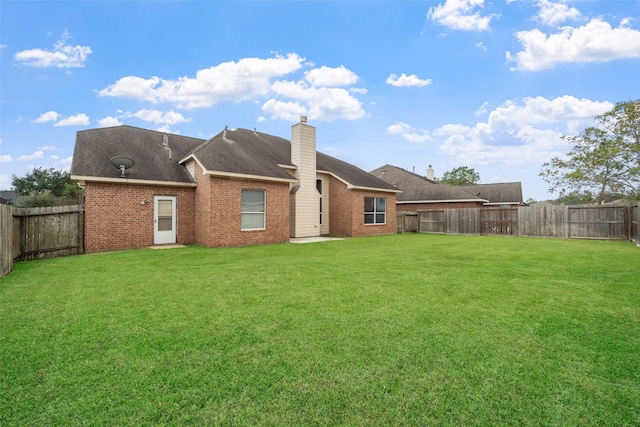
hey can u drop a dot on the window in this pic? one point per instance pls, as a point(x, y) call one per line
point(253, 209)
point(375, 210)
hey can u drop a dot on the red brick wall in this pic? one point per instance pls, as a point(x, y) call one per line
point(346, 211)
point(413, 207)
point(203, 208)
point(115, 218)
point(222, 225)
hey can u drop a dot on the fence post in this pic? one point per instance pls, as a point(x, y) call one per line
point(638, 224)
point(6, 239)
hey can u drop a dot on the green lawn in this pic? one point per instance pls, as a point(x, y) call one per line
point(392, 330)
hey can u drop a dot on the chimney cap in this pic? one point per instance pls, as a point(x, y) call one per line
point(303, 119)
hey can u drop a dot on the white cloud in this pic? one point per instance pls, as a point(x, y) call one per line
point(290, 111)
point(459, 15)
point(158, 117)
point(321, 93)
point(6, 158)
point(47, 148)
point(398, 128)
point(408, 132)
point(109, 121)
point(596, 41)
point(525, 132)
point(327, 76)
point(552, 13)
point(63, 55)
point(228, 81)
point(407, 81)
point(64, 164)
point(49, 116)
point(322, 103)
point(80, 119)
point(28, 157)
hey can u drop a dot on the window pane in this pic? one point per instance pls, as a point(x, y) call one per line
point(165, 223)
point(252, 221)
point(380, 218)
point(164, 208)
point(368, 204)
point(368, 218)
point(252, 201)
point(253, 208)
point(319, 185)
point(381, 204)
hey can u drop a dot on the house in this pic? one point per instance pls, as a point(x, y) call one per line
point(8, 197)
point(241, 187)
point(505, 194)
point(422, 193)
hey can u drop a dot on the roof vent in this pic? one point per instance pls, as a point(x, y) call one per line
point(224, 133)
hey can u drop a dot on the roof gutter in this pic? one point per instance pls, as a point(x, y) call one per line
point(133, 181)
point(441, 201)
point(251, 177)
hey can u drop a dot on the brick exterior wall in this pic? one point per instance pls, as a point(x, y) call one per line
point(210, 214)
point(115, 218)
point(414, 207)
point(218, 213)
point(346, 211)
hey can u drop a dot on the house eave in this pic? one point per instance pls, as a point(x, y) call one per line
point(357, 187)
point(502, 203)
point(247, 176)
point(406, 202)
point(133, 181)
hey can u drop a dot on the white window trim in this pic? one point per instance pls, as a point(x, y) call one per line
point(264, 214)
point(374, 213)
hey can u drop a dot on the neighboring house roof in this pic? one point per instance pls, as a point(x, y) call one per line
point(418, 189)
point(8, 197)
point(94, 149)
point(238, 152)
point(497, 194)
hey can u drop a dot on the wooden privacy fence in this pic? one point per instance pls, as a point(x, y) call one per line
point(37, 233)
point(575, 222)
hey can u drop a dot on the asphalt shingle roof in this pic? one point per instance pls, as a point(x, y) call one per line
point(506, 192)
point(94, 149)
point(418, 188)
point(238, 151)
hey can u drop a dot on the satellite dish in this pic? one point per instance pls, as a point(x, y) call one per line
point(122, 163)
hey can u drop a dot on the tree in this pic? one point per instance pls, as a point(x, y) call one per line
point(37, 200)
point(462, 175)
point(604, 159)
point(44, 187)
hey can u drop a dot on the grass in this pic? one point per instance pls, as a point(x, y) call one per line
point(392, 330)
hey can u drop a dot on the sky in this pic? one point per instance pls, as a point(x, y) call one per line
point(490, 85)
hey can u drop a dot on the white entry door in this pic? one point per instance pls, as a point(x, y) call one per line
point(164, 218)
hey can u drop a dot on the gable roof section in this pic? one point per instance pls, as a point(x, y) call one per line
point(242, 152)
point(503, 193)
point(94, 149)
point(352, 175)
point(418, 189)
point(245, 153)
